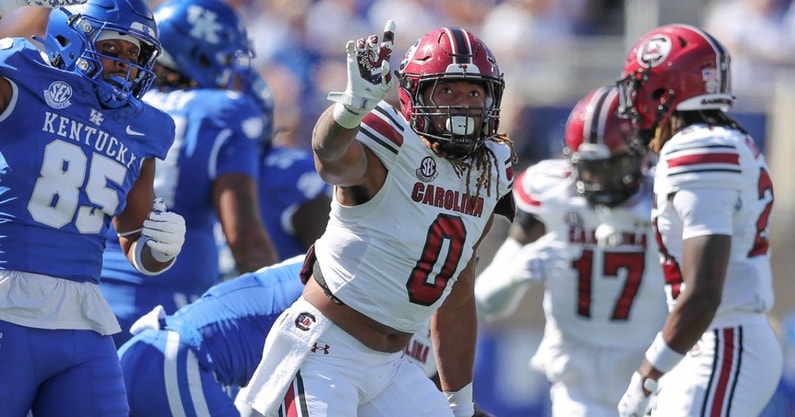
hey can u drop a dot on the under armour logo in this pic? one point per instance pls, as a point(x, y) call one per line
point(325, 348)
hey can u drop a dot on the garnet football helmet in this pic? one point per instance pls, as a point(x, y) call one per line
point(450, 54)
point(72, 34)
point(204, 40)
point(607, 171)
point(673, 68)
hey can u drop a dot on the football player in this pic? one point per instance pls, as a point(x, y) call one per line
point(415, 190)
point(78, 152)
point(713, 197)
point(211, 170)
point(582, 229)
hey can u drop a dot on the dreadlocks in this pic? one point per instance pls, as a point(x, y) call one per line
point(681, 119)
point(483, 160)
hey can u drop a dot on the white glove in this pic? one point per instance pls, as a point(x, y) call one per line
point(154, 319)
point(635, 401)
point(541, 260)
point(165, 231)
point(369, 78)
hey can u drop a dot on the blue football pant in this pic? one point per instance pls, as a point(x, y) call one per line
point(59, 373)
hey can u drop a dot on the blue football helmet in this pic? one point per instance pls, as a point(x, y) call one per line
point(251, 83)
point(204, 40)
point(72, 34)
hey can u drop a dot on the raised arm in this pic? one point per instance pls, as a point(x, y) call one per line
point(339, 159)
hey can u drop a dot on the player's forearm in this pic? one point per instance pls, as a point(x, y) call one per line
point(454, 333)
point(704, 267)
point(498, 291)
point(330, 141)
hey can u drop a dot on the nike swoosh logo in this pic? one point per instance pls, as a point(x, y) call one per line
point(132, 132)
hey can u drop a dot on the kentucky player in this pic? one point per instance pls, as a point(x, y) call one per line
point(192, 362)
point(78, 151)
point(582, 228)
point(294, 201)
point(211, 170)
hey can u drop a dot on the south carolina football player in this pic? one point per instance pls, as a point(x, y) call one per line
point(415, 190)
point(713, 197)
point(582, 228)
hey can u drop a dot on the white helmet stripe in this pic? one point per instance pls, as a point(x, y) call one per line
point(596, 120)
point(462, 48)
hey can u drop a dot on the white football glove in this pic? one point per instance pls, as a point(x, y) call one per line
point(635, 401)
point(154, 319)
point(369, 79)
point(165, 231)
point(514, 269)
point(542, 260)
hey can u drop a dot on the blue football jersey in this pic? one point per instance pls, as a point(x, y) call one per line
point(288, 179)
point(227, 326)
point(66, 166)
point(216, 134)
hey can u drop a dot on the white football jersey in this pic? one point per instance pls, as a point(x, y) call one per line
point(707, 158)
point(396, 257)
point(613, 293)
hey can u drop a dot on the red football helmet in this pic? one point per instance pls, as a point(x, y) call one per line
point(673, 67)
point(450, 54)
point(607, 170)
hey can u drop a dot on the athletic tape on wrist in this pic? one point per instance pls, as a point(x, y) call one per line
point(138, 248)
point(347, 116)
point(661, 356)
point(461, 402)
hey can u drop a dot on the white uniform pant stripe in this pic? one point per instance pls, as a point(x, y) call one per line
point(725, 372)
point(172, 381)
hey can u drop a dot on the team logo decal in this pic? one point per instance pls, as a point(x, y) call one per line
point(96, 117)
point(427, 171)
point(305, 321)
point(57, 95)
point(573, 219)
point(654, 51)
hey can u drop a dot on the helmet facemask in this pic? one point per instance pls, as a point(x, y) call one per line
point(450, 55)
point(606, 181)
point(71, 45)
point(459, 130)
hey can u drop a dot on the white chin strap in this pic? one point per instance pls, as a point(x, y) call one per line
point(460, 125)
